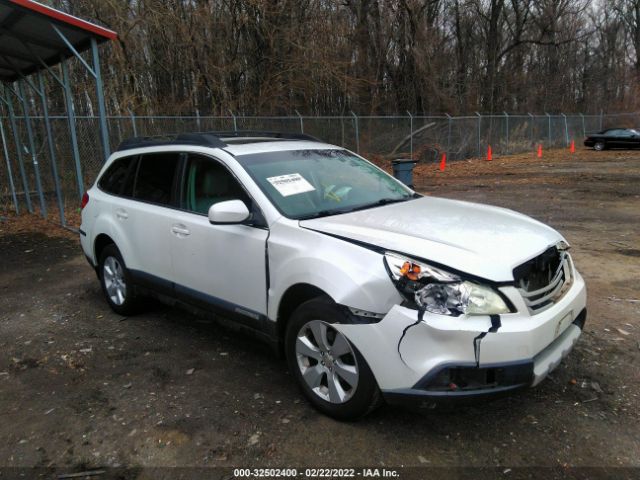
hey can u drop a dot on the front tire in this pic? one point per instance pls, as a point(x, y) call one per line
point(116, 282)
point(599, 146)
point(330, 371)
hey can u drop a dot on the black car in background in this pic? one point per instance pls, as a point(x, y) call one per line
point(614, 138)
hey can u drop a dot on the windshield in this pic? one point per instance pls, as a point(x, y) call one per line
point(315, 183)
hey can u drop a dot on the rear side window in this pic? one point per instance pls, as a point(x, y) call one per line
point(118, 175)
point(156, 176)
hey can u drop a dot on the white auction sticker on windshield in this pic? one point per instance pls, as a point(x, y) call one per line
point(291, 184)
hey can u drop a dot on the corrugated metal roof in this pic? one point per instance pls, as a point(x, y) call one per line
point(26, 33)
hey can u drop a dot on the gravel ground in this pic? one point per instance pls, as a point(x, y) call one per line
point(83, 388)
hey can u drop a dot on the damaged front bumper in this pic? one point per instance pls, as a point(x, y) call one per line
point(447, 357)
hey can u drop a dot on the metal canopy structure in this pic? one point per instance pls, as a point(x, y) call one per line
point(33, 39)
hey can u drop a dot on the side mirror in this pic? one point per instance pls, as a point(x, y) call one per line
point(229, 212)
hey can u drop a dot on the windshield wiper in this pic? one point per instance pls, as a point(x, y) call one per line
point(321, 213)
point(378, 203)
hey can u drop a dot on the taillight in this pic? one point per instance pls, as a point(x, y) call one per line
point(85, 200)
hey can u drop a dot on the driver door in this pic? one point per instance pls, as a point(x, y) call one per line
point(218, 266)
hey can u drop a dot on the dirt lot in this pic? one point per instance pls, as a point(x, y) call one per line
point(82, 388)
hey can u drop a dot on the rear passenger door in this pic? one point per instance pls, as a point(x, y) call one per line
point(145, 219)
point(221, 266)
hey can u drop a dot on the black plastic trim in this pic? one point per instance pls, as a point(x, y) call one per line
point(409, 395)
point(434, 372)
point(246, 317)
point(206, 139)
point(581, 319)
point(353, 319)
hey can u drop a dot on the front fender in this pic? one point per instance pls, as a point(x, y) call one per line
point(350, 274)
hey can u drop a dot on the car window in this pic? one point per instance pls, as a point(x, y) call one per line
point(118, 176)
point(311, 183)
point(208, 182)
point(154, 181)
point(615, 133)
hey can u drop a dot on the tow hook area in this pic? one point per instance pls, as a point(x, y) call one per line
point(495, 326)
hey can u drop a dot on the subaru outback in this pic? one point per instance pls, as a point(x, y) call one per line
point(373, 291)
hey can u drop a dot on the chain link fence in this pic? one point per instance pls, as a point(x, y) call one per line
point(62, 180)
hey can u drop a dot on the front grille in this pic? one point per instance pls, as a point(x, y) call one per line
point(544, 279)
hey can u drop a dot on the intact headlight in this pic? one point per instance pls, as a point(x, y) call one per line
point(442, 292)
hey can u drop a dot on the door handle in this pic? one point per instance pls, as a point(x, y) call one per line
point(180, 230)
point(122, 214)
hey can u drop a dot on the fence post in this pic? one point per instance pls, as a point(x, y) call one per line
point(584, 132)
point(448, 135)
point(357, 132)
point(102, 112)
point(9, 172)
point(532, 121)
point(601, 115)
point(32, 148)
point(566, 129)
point(133, 122)
point(52, 149)
point(198, 120)
point(410, 133)
point(301, 122)
point(16, 139)
point(549, 122)
point(71, 116)
point(479, 134)
point(235, 123)
point(506, 116)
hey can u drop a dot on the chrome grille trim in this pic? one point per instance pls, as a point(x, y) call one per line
point(543, 298)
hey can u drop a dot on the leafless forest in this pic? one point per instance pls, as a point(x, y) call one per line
point(369, 56)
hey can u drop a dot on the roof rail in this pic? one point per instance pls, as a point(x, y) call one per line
point(207, 139)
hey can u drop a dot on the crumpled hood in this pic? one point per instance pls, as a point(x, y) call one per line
point(481, 240)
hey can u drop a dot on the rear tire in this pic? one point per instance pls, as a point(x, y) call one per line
point(329, 370)
point(117, 286)
point(599, 146)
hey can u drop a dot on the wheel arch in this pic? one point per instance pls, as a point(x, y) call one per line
point(101, 241)
point(292, 298)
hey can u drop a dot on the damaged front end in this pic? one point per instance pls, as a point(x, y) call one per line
point(456, 336)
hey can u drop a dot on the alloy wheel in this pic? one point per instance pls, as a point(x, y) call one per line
point(114, 281)
point(327, 362)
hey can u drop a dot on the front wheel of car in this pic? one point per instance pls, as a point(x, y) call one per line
point(330, 371)
point(116, 282)
point(599, 146)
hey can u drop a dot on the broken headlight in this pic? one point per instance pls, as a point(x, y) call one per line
point(438, 291)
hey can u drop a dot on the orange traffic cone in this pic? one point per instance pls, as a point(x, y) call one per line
point(489, 154)
point(443, 162)
point(540, 151)
point(572, 148)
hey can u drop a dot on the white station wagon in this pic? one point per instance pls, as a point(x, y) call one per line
point(373, 291)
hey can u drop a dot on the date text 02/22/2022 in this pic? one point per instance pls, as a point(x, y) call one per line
point(315, 473)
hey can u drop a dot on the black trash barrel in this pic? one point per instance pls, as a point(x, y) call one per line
point(403, 170)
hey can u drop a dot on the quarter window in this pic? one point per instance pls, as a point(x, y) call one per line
point(154, 182)
point(118, 178)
